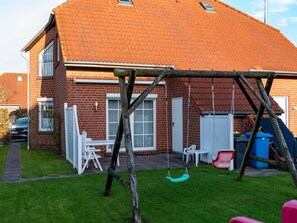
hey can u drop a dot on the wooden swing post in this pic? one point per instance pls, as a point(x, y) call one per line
point(255, 129)
point(117, 143)
point(265, 103)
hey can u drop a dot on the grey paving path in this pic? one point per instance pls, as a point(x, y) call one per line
point(13, 168)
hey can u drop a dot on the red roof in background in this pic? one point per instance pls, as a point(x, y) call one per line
point(201, 96)
point(16, 90)
point(179, 33)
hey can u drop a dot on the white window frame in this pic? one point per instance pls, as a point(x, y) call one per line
point(40, 101)
point(153, 97)
point(40, 61)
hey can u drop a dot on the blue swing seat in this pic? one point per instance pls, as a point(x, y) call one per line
point(180, 179)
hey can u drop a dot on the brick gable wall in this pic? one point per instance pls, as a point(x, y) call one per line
point(41, 87)
point(287, 87)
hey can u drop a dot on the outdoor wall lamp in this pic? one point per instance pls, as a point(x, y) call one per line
point(96, 106)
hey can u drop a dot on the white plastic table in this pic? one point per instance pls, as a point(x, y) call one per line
point(197, 155)
point(102, 143)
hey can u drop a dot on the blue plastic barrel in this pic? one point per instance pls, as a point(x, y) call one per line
point(260, 148)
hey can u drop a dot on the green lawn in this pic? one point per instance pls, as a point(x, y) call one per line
point(3, 155)
point(37, 163)
point(208, 196)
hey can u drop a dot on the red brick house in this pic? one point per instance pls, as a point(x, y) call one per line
point(72, 60)
point(13, 88)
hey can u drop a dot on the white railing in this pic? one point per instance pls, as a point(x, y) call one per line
point(73, 138)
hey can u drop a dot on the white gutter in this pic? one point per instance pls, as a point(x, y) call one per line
point(277, 72)
point(100, 81)
point(116, 65)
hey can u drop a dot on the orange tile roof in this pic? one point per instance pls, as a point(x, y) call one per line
point(171, 32)
point(15, 91)
point(201, 96)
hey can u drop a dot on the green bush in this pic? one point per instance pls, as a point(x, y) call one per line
point(4, 125)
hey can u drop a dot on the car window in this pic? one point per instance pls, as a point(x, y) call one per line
point(22, 122)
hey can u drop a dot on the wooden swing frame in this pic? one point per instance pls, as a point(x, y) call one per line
point(128, 108)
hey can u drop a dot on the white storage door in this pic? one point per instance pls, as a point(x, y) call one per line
point(216, 133)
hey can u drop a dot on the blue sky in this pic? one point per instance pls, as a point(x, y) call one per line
point(20, 20)
point(282, 14)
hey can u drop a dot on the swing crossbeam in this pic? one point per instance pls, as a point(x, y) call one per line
point(124, 125)
point(193, 73)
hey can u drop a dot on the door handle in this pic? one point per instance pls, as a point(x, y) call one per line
point(172, 124)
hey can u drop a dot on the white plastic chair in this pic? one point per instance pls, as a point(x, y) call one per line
point(89, 153)
point(189, 152)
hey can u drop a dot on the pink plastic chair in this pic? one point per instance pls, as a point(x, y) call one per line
point(241, 219)
point(289, 212)
point(223, 159)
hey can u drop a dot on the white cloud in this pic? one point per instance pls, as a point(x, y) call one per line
point(282, 22)
point(282, 2)
point(258, 15)
point(286, 21)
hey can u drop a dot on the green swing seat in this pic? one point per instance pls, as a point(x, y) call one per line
point(180, 179)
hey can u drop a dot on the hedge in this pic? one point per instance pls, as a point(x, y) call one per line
point(4, 125)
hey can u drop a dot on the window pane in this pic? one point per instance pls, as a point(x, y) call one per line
point(112, 128)
point(46, 64)
point(138, 115)
point(113, 116)
point(148, 104)
point(138, 128)
point(148, 115)
point(148, 128)
point(148, 141)
point(113, 104)
point(46, 115)
point(138, 141)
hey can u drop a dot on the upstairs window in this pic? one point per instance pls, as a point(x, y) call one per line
point(46, 64)
point(207, 6)
point(128, 2)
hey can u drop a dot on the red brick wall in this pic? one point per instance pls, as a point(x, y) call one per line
point(41, 87)
point(287, 87)
point(85, 96)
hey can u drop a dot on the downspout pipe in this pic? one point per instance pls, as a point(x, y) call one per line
point(28, 99)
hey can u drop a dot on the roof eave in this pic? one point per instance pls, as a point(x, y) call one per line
point(114, 65)
point(48, 25)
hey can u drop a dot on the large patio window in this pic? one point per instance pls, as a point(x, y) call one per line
point(46, 113)
point(143, 123)
point(46, 64)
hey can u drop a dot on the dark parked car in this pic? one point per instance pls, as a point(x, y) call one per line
point(19, 129)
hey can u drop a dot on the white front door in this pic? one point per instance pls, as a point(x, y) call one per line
point(177, 125)
point(283, 103)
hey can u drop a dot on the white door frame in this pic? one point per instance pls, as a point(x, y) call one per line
point(177, 124)
point(283, 102)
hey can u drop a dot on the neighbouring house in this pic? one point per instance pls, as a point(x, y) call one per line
point(72, 60)
point(13, 91)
